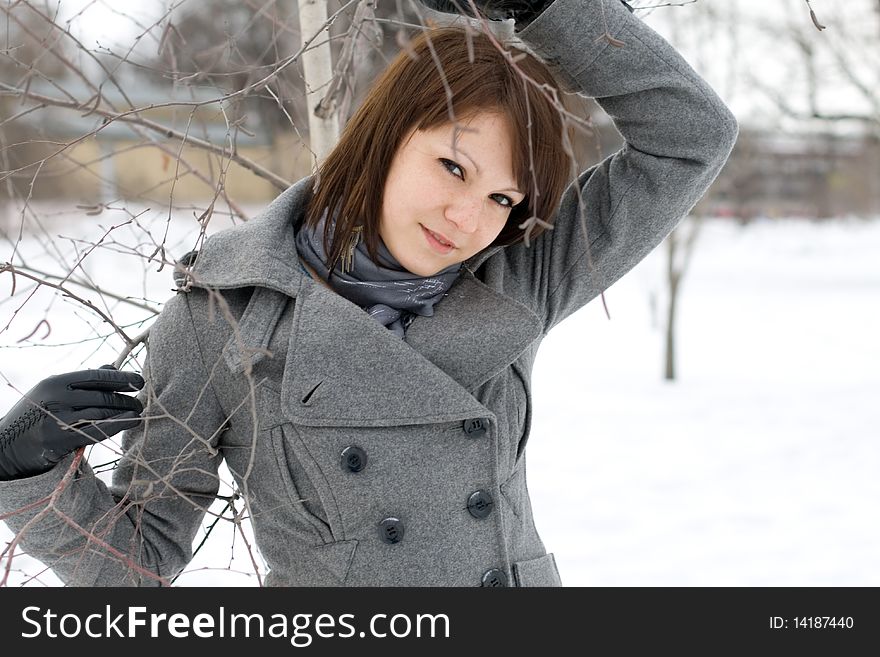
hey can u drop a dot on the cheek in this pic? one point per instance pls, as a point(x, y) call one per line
point(495, 228)
point(415, 190)
point(433, 189)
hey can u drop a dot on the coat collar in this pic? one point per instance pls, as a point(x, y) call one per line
point(260, 252)
point(343, 366)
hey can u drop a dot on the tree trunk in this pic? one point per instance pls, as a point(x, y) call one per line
point(672, 278)
point(318, 70)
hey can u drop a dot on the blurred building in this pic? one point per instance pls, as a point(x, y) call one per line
point(772, 174)
point(63, 152)
point(817, 176)
point(68, 153)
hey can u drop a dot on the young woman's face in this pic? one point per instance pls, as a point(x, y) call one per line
point(460, 194)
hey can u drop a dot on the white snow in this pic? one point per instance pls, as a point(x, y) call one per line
point(758, 466)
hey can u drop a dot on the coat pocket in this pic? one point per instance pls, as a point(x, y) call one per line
point(514, 491)
point(303, 498)
point(537, 572)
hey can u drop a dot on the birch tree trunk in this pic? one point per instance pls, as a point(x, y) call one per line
point(318, 69)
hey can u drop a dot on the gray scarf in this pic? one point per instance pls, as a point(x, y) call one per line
point(388, 292)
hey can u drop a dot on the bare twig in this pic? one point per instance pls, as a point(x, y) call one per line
point(67, 293)
point(813, 17)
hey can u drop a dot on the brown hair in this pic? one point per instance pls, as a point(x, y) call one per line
point(410, 93)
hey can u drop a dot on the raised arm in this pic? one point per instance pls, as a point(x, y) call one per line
point(678, 134)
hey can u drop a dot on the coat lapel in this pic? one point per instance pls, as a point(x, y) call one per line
point(346, 369)
point(475, 332)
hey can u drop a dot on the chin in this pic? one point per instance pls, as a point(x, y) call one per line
point(422, 265)
point(425, 271)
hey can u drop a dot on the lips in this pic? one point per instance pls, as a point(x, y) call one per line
point(438, 241)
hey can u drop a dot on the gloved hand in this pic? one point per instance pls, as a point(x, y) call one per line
point(32, 441)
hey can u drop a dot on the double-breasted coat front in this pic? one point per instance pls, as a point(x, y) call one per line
point(365, 459)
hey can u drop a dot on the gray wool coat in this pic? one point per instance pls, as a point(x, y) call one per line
point(365, 459)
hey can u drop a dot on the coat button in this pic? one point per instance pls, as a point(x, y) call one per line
point(494, 577)
point(480, 504)
point(391, 530)
point(353, 459)
point(476, 427)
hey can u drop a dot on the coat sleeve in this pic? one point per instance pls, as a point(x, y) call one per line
point(678, 135)
point(140, 529)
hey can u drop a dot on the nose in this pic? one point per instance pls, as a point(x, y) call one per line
point(464, 212)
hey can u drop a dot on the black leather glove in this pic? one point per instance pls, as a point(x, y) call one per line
point(32, 441)
point(522, 12)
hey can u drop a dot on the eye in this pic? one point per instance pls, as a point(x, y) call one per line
point(451, 167)
point(502, 200)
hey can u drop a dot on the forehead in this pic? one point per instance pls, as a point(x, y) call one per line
point(479, 128)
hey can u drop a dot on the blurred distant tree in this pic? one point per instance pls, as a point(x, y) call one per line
point(804, 67)
point(34, 50)
point(33, 47)
point(843, 62)
point(231, 46)
point(236, 45)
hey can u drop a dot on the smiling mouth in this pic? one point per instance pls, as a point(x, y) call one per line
point(438, 239)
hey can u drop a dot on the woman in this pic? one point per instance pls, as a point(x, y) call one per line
point(365, 372)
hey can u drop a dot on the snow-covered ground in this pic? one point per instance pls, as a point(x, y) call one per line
point(758, 466)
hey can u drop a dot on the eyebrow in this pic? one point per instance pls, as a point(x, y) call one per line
point(456, 149)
